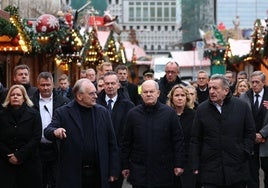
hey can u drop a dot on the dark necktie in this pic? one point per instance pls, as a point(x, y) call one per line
point(256, 104)
point(110, 101)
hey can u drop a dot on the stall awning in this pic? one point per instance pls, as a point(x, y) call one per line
point(189, 59)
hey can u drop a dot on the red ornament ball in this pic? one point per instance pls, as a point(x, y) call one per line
point(47, 23)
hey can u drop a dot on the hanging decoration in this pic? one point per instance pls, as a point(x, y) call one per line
point(19, 35)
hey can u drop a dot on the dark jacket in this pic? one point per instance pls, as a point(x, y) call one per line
point(30, 90)
point(186, 120)
point(69, 93)
point(222, 142)
point(70, 155)
point(58, 100)
point(165, 88)
point(202, 95)
point(3, 93)
point(119, 111)
point(20, 133)
point(264, 132)
point(249, 99)
point(152, 145)
point(131, 90)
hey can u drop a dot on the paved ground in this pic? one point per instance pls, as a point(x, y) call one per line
point(127, 185)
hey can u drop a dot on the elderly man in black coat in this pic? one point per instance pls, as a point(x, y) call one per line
point(152, 149)
point(88, 154)
point(223, 136)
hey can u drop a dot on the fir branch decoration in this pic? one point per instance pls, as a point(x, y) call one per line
point(7, 28)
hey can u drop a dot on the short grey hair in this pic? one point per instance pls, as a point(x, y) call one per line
point(259, 73)
point(225, 82)
point(78, 86)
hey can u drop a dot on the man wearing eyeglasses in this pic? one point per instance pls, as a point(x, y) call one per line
point(170, 79)
point(88, 152)
point(202, 89)
point(255, 98)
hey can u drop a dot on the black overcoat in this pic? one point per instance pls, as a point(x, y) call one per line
point(22, 138)
point(222, 142)
point(152, 145)
point(70, 152)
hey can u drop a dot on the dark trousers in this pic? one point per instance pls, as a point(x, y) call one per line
point(254, 166)
point(236, 185)
point(264, 167)
point(118, 183)
point(90, 177)
point(48, 154)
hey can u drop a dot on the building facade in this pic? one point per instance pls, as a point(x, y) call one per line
point(155, 22)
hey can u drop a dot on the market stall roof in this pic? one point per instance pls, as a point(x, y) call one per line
point(189, 59)
point(240, 47)
point(139, 52)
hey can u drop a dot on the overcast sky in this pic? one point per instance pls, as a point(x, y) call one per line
point(247, 10)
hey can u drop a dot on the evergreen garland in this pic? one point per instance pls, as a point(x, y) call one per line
point(7, 28)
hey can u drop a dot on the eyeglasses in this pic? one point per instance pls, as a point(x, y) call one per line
point(170, 72)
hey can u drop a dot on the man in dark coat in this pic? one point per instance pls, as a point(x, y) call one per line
point(202, 86)
point(152, 149)
point(120, 105)
point(222, 138)
point(129, 89)
point(170, 79)
point(46, 100)
point(257, 88)
point(88, 155)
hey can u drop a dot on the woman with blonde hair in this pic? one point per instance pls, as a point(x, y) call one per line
point(241, 87)
point(180, 100)
point(20, 134)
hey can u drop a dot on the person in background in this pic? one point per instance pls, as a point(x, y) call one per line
point(179, 98)
point(46, 100)
point(152, 149)
point(147, 75)
point(222, 138)
point(202, 86)
point(65, 89)
point(241, 75)
point(100, 84)
point(88, 152)
point(83, 74)
point(170, 79)
point(230, 75)
point(91, 75)
point(255, 97)
point(129, 89)
point(22, 76)
point(113, 99)
point(3, 93)
point(241, 87)
point(193, 96)
point(20, 134)
point(103, 68)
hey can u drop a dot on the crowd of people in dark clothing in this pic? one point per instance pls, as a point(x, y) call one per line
point(167, 133)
